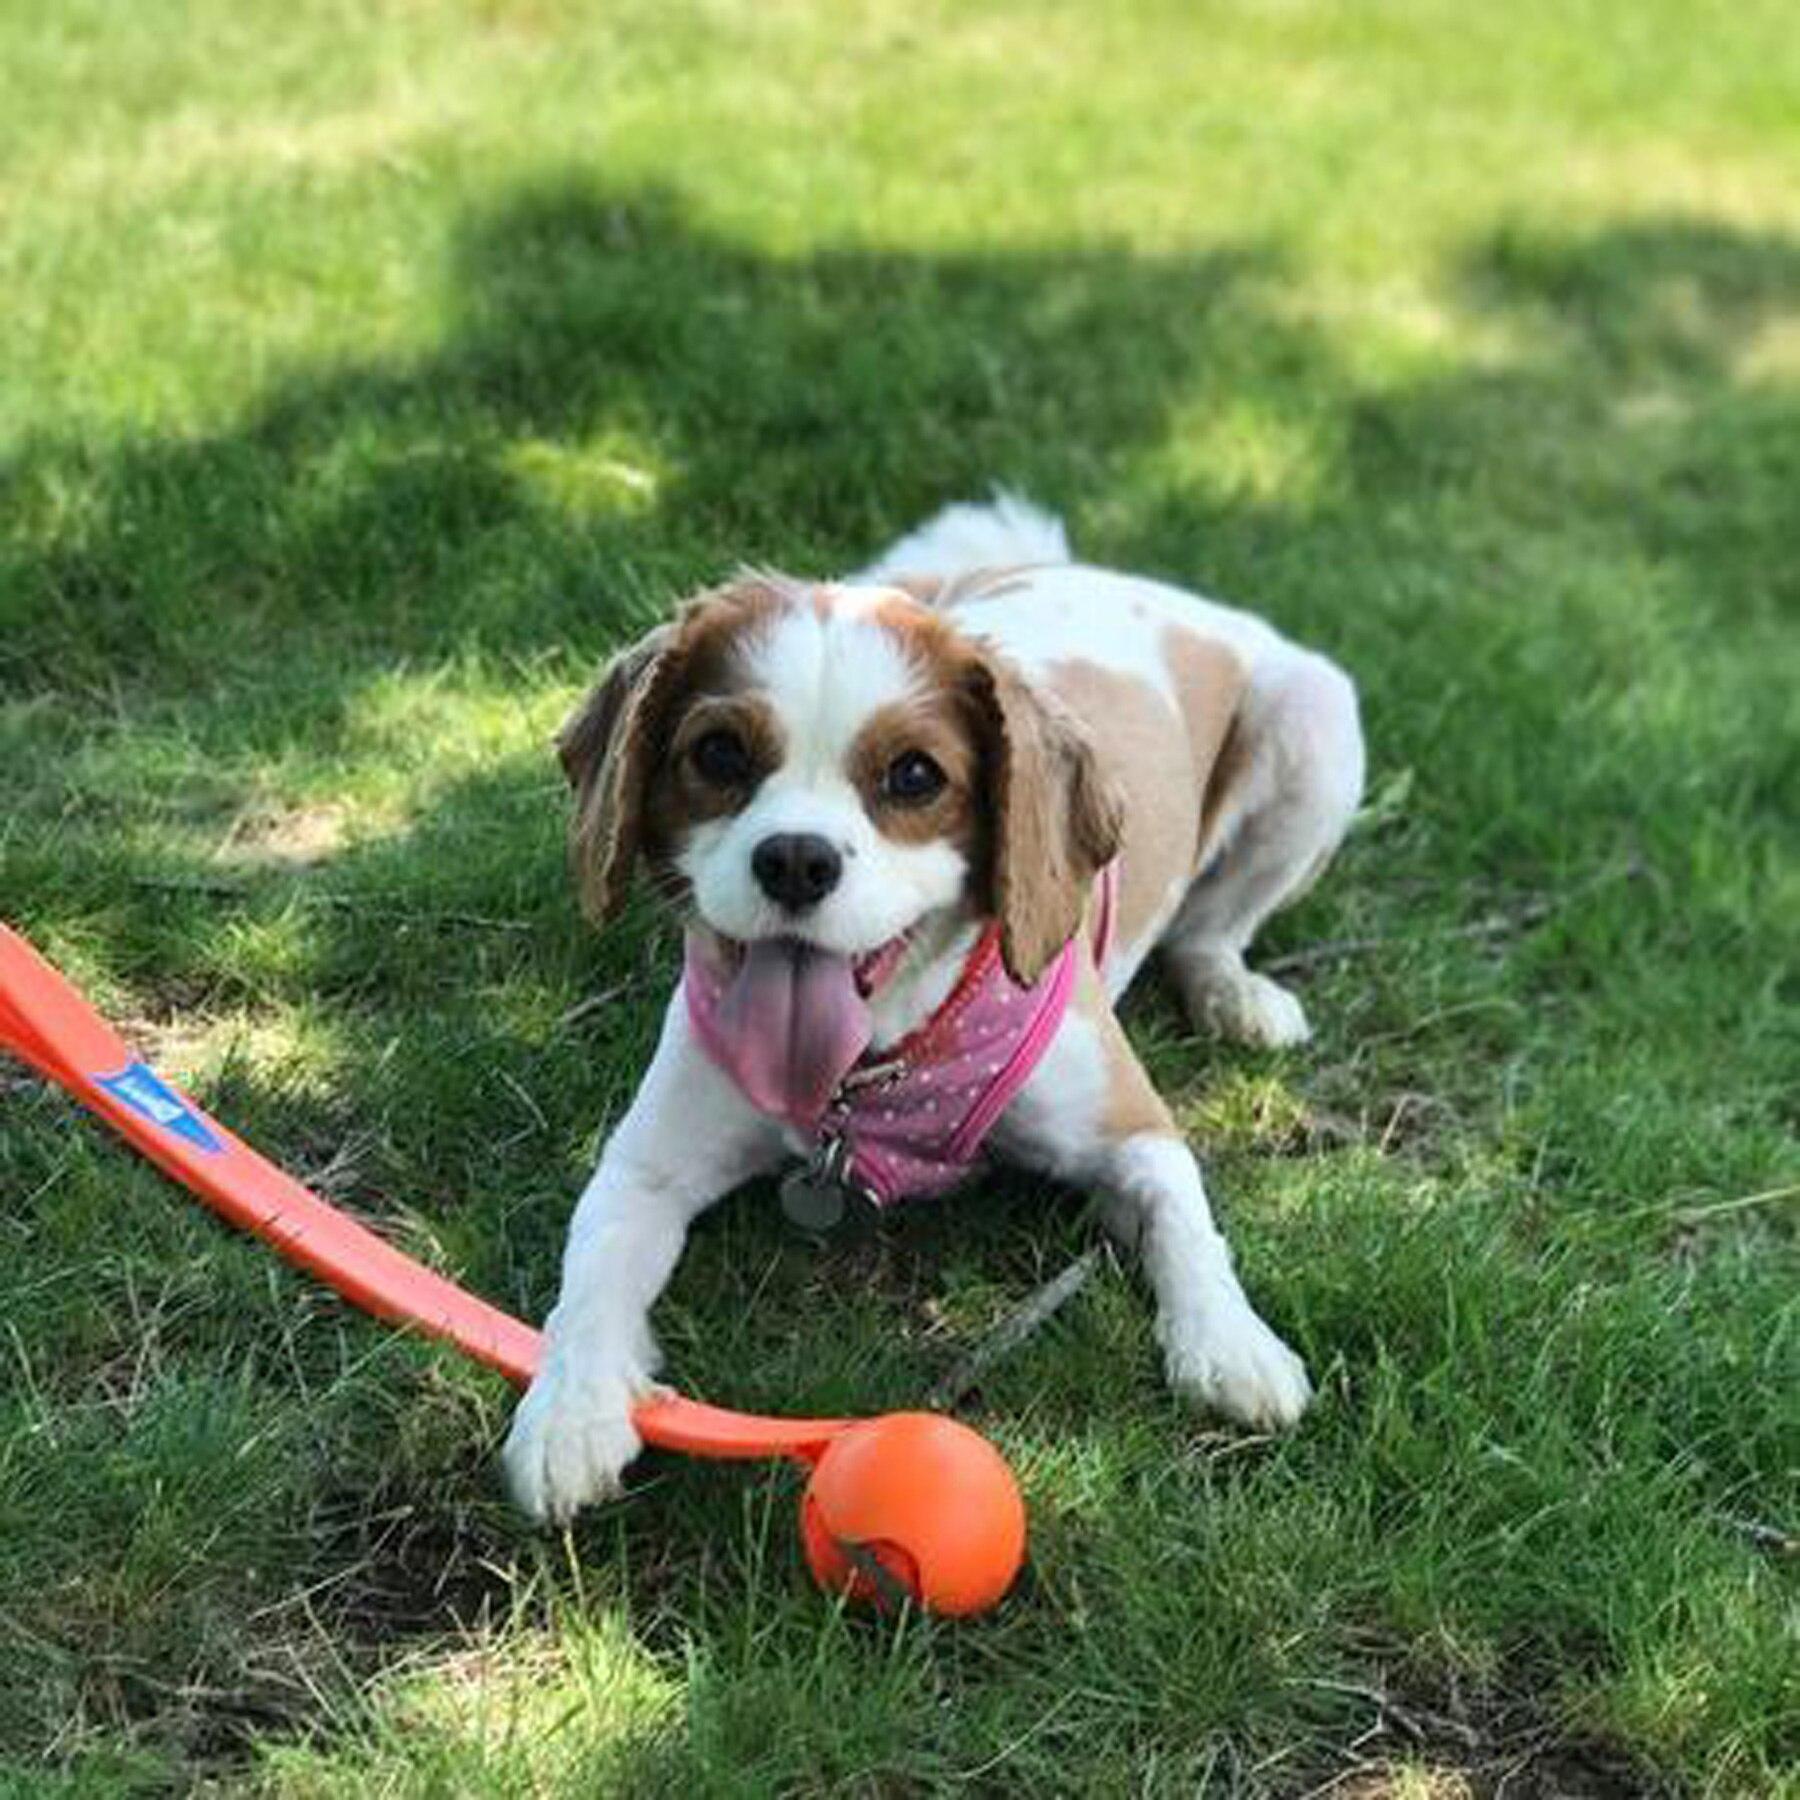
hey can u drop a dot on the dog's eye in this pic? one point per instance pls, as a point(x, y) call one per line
point(722, 758)
point(912, 778)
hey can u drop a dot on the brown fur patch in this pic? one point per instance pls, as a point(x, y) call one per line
point(1052, 816)
point(1139, 738)
point(604, 747)
point(927, 590)
point(714, 624)
point(1057, 817)
point(1131, 1105)
point(972, 584)
point(1165, 760)
point(615, 747)
point(1210, 679)
point(682, 796)
point(943, 724)
point(928, 639)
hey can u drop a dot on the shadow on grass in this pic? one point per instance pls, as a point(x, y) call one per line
point(620, 401)
point(624, 403)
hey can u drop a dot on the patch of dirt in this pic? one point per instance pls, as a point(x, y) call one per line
point(1457, 1741)
point(408, 1569)
point(166, 999)
point(1415, 1121)
point(391, 1575)
point(174, 1044)
point(1342, 1109)
point(284, 837)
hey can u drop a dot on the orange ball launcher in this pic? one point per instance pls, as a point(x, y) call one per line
point(911, 1505)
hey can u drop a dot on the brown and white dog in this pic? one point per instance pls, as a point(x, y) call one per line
point(952, 744)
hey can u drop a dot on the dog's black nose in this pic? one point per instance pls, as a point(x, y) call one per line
point(796, 868)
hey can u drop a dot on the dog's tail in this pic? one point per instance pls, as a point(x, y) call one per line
point(1006, 533)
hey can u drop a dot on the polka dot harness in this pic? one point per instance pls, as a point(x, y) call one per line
point(910, 1120)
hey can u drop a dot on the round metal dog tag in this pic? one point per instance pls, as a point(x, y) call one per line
point(812, 1199)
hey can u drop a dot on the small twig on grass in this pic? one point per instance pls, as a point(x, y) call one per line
point(1764, 1537)
point(593, 1003)
point(212, 890)
point(1388, 1711)
point(1520, 918)
point(1021, 1323)
point(231, 890)
point(1506, 923)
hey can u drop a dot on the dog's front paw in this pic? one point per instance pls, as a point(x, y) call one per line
point(1226, 1358)
point(571, 1439)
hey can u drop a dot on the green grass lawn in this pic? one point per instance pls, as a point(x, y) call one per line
point(368, 372)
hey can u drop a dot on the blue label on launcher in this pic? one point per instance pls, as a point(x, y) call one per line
point(145, 1092)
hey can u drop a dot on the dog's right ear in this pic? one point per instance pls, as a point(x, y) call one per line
point(607, 749)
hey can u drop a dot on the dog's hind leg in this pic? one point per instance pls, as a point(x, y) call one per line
point(1288, 782)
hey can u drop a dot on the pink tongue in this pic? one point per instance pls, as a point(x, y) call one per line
point(793, 1024)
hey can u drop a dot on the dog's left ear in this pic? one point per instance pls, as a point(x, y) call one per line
point(1057, 818)
point(606, 746)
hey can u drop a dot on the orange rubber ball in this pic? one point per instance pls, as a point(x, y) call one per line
point(914, 1504)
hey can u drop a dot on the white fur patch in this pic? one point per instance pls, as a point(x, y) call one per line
point(825, 675)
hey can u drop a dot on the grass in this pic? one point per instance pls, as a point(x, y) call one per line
point(370, 371)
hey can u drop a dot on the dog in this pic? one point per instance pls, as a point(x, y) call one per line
point(924, 826)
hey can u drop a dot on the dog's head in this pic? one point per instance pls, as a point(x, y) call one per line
point(832, 766)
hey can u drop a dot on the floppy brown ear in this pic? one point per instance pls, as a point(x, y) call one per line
point(1057, 819)
point(606, 746)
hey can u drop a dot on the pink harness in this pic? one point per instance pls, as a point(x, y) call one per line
point(910, 1120)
